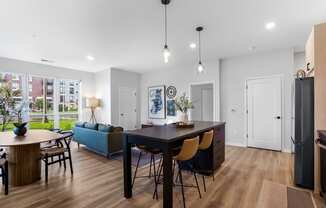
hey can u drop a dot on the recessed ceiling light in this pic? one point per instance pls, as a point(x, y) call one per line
point(193, 45)
point(90, 58)
point(47, 60)
point(270, 25)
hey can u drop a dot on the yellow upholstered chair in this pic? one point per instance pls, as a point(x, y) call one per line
point(188, 151)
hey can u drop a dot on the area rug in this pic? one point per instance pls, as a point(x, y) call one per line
point(278, 195)
point(144, 161)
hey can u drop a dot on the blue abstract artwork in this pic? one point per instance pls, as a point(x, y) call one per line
point(156, 102)
point(170, 108)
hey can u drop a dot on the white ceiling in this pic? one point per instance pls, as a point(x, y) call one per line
point(128, 34)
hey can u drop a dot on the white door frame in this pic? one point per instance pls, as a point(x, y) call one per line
point(215, 101)
point(129, 88)
point(281, 76)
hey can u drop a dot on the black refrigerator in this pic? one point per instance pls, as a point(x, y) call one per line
point(304, 133)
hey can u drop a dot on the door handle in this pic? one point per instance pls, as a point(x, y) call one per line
point(277, 117)
point(121, 114)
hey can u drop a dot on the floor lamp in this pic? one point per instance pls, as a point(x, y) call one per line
point(92, 103)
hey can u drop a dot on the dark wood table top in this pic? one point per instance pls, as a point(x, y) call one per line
point(170, 133)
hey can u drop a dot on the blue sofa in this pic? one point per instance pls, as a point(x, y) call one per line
point(99, 138)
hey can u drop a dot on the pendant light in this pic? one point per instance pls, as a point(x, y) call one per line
point(166, 51)
point(200, 66)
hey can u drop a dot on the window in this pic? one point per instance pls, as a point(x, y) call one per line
point(42, 95)
point(41, 100)
point(71, 90)
point(68, 106)
point(14, 83)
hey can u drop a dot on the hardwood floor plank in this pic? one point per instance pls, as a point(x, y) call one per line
point(98, 182)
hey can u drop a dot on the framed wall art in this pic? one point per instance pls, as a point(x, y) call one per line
point(156, 102)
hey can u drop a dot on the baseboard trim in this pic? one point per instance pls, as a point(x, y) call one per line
point(243, 145)
point(235, 144)
point(287, 150)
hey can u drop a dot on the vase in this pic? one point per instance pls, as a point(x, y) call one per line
point(20, 129)
point(183, 117)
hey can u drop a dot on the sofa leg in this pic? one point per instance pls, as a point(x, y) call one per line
point(109, 156)
point(78, 144)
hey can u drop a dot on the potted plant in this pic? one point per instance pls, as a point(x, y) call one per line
point(183, 104)
point(20, 126)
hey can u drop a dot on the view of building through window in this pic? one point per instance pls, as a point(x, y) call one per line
point(68, 103)
point(50, 103)
point(41, 99)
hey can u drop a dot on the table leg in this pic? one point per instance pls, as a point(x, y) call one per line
point(127, 167)
point(24, 164)
point(167, 179)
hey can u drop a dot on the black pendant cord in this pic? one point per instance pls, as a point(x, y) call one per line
point(199, 30)
point(199, 47)
point(166, 25)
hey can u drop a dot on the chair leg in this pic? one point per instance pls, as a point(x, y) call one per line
point(173, 169)
point(64, 161)
point(150, 167)
point(46, 168)
point(213, 176)
point(177, 177)
point(204, 183)
point(155, 179)
point(135, 174)
point(59, 160)
point(70, 162)
point(195, 175)
point(160, 169)
point(5, 175)
point(182, 189)
point(158, 177)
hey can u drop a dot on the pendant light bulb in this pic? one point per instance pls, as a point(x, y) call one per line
point(166, 54)
point(200, 67)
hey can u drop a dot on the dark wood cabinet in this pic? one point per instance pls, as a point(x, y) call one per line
point(208, 161)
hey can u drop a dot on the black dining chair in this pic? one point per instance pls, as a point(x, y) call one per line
point(4, 171)
point(58, 153)
point(153, 169)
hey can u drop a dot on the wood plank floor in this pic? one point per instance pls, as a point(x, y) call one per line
point(98, 182)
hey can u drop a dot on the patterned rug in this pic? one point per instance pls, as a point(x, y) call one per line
point(145, 159)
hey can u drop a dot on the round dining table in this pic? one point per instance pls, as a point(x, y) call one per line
point(23, 154)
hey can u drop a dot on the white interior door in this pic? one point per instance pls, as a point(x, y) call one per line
point(127, 108)
point(264, 115)
point(207, 104)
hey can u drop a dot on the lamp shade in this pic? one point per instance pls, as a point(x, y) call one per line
point(92, 102)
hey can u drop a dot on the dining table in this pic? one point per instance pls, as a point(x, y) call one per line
point(23, 154)
point(167, 138)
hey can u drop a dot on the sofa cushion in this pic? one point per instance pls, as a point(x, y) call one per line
point(105, 128)
point(80, 124)
point(91, 126)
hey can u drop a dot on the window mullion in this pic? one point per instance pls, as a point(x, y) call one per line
point(56, 92)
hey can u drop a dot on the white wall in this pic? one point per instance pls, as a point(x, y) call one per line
point(103, 92)
point(22, 67)
point(299, 61)
point(107, 84)
point(181, 78)
point(121, 78)
point(234, 72)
